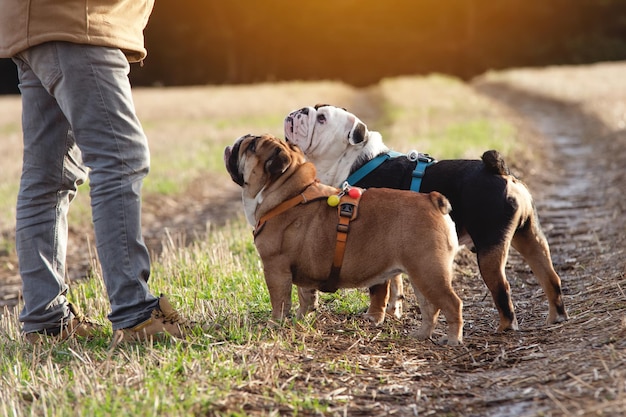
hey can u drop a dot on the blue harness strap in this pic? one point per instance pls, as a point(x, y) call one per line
point(418, 172)
point(423, 162)
point(362, 172)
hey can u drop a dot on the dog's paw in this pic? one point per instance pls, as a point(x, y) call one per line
point(395, 308)
point(376, 318)
point(554, 318)
point(446, 341)
point(506, 325)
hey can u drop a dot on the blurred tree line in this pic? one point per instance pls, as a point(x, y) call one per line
point(361, 41)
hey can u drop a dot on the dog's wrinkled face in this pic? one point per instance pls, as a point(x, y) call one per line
point(255, 161)
point(326, 122)
point(333, 139)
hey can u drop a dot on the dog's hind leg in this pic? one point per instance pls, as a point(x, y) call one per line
point(386, 298)
point(443, 299)
point(491, 263)
point(429, 315)
point(379, 296)
point(531, 243)
point(452, 308)
point(309, 301)
point(396, 296)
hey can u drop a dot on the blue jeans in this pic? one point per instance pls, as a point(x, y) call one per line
point(78, 118)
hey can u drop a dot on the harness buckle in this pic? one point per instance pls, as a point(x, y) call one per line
point(346, 210)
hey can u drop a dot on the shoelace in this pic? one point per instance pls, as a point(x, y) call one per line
point(174, 317)
point(80, 317)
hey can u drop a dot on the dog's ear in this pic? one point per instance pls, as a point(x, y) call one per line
point(358, 134)
point(277, 163)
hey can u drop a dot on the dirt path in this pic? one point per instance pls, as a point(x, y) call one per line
point(579, 367)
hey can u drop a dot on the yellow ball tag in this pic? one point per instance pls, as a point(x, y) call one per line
point(333, 200)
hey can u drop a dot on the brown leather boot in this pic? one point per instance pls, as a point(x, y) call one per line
point(76, 324)
point(163, 321)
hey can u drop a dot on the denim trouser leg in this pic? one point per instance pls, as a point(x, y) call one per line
point(83, 90)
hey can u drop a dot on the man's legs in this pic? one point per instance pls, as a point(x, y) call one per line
point(51, 171)
point(91, 88)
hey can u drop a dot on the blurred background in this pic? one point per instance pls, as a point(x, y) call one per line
point(197, 42)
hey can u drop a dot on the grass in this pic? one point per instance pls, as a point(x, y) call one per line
point(218, 281)
point(442, 116)
point(203, 142)
point(242, 365)
point(163, 379)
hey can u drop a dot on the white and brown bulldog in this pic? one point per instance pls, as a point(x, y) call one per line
point(491, 208)
point(297, 234)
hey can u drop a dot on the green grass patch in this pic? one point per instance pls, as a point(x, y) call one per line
point(218, 282)
point(443, 117)
point(468, 139)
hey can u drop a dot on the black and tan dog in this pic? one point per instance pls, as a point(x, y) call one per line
point(298, 231)
point(489, 206)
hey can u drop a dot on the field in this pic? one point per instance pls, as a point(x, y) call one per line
point(563, 131)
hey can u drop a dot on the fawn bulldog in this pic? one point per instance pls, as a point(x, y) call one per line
point(301, 225)
point(491, 208)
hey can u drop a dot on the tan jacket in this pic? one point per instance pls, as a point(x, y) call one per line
point(114, 23)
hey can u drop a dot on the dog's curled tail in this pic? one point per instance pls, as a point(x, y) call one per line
point(440, 202)
point(494, 163)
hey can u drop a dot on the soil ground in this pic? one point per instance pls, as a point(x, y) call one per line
point(575, 120)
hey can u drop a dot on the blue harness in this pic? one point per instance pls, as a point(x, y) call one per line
point(423, 161)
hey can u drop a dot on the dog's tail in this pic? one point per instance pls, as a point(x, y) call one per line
point(494, 163)
point(440, 202)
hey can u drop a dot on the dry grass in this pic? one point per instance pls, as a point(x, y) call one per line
point(334, 363)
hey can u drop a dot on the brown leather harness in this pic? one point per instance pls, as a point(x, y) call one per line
point(347, 211)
